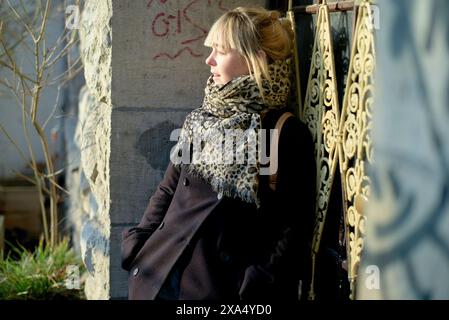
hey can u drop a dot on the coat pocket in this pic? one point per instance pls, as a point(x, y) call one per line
point(132, 241)
point(257, 284)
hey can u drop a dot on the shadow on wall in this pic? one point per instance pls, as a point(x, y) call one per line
point(154, 144)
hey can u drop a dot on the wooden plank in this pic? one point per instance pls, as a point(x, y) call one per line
point(20, 208)
point(2, 235)
point(19, 198)
point(30, 222)
point(333, 7)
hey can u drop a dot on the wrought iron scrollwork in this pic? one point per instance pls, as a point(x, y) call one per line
point(355, 149)
point(345, 140)
point(321, 114)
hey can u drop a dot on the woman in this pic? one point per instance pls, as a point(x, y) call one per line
point(214, 229)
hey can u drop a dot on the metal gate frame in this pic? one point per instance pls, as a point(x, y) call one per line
point(343, 140)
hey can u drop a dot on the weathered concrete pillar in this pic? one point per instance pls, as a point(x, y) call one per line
point(95, 142)
point(145, 70)
point(407, 239)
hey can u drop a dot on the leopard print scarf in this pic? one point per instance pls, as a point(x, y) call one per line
point(234, 108)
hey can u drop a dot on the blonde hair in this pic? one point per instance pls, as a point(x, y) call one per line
point(250, 30)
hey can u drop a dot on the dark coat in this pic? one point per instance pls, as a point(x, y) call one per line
point(226, 248)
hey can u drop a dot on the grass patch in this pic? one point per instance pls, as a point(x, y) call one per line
point(42, 275)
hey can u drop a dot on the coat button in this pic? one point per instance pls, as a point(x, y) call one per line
point(161, 225)
point(185, 182)
point(225, 257)
point(135, 272)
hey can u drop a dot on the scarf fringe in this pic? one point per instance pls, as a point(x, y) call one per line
point(222, 187)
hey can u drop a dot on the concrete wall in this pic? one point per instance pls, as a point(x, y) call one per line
point(407, 240)
point(145, 70)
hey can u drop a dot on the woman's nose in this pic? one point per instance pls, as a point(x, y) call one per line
point(210, 60)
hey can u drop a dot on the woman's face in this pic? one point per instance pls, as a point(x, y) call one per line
point(226, 65)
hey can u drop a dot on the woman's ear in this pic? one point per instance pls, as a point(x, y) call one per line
point(262, 54)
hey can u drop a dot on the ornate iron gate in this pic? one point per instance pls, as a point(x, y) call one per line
point(341, 135)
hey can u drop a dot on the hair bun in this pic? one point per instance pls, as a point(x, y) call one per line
point(274, 15)
point(288, 26)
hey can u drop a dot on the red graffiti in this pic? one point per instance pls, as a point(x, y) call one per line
point(178, 25)
point(172, 57)
point(161, 17)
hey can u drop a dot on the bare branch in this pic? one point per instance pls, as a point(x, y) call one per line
point(54, 174)
point(46, 190)
point(39, 184)
point(37, 12)
point(16, 71)
point(30, 88)
point(14, 45)
point(14, 143)
point(73, 74)
point(68, 72)
point(6, 84)
point(25, 11)
point(63, 51)
point(13, 66)
point(44, 21)
point(54, 108)
point(40, 8)
point(54, 183)
point(20, 18)
point(62, 37)
point(18, 99)
point(25, 177)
